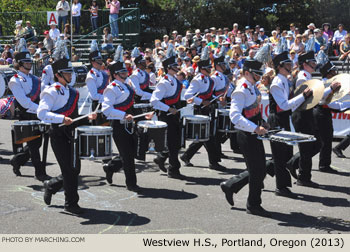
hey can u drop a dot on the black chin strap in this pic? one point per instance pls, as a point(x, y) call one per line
point(67, 82)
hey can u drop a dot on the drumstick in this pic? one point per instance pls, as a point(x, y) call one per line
point(178, 110)
point(141, 115)
point(83, 116)
point(213, 100)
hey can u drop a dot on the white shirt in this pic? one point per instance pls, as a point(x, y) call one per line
point(302, 77)
point(76, 9)
point(338, 36)
point(65, 6)
point(47, 77)
point(114, 95)
point(54, 34)
point(93, 81)
point(280, 91)
point(165, 88)
point(21, 87)
point(241, 98)
point(336, 104)
point(219, 80)
point(52, 98)
point(137, 77)
point(199, 84)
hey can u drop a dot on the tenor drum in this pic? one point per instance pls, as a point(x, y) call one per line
point(142, 108)
point(223, 122)
point(196, 128)
point(156, 131)
point(95, 142)
point(25, 131)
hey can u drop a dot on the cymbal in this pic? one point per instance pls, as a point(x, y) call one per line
point(344, 80)
point(317, 87)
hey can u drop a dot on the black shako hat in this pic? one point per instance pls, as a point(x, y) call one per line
point(326, 68)
point(253, 66)
point(117, 67)
point(306, 57)
point(281, 58)
point(96, 55)
point(169, 62)
point(62, 66)
point(24, 57)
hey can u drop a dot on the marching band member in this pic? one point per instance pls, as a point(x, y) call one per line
point(200, 93)
point(140, 79)
point(58, 104)
point(26, 89)
point(166, 99)
point(323, 117)
point(221, 83)
point(245, 115)
point(117, 107)
point(281, 106)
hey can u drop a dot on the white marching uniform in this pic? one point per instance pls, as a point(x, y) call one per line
point(138, 76)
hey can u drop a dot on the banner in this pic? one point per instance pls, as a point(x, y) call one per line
point(52, 18)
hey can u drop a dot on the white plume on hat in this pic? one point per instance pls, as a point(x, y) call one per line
point(263, 55)
point(310, 45)
point(93, 46)
point(19, 22)
point(282, 46)
point(118, 56)
point(135, 52)
point(321, 58)
point(60, 51)
point(205, 53)
point(170, 51)
point(22, 45)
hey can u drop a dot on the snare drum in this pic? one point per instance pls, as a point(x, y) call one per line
point(196, 128)
point(95, 142)
point(25, 131)
point(142, 108)
point(223, 122)
point(156, 131)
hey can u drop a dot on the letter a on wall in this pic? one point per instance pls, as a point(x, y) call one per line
point(52, 18)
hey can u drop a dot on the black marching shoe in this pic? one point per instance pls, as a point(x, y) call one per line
point(228, 193)
point(133, 188)
point(328, 169)
point(109, 174)
point(47, 193)
point(222, 155)
point(285, 192)
point(186, 160)
point(307, 183)
point(42, 177)
point(74, 209)
point(338, 152)
point(175, 174)
point(259, 210)
point(160, 162)
point(16, 168)
point(217, 167)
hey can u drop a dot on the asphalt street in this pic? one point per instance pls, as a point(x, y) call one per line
point(195, 205)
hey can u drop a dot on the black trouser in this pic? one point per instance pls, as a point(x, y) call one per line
point(126, 146)
point(210, 145)
point(303, 122)
point(344, 143)
point(281, 152)
point(233, 141)
point(324, 128)
point(173, 139)
point(254, 155)
point(32, 150)
point(62, 143)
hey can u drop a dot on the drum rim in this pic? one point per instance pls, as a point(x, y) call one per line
point(198, 118)
point(224, 110)
point(147, 124)
point(142, 105)
point(26, 122)
point(94, 129)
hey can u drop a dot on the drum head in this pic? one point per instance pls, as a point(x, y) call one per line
point(95, 129)
point(223, 111)
point(142, 105)
point(152, 124)
point(199, 118)
point(21, 123)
